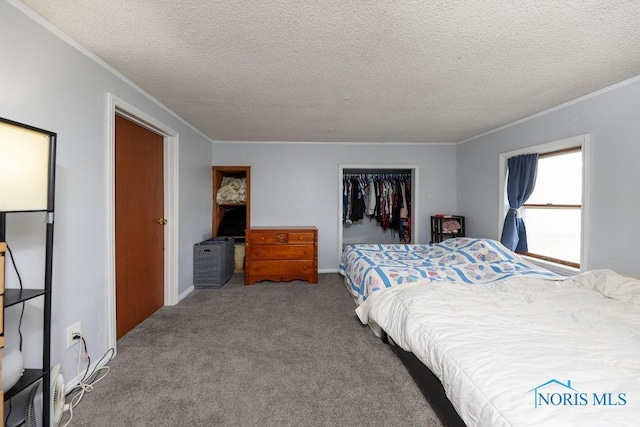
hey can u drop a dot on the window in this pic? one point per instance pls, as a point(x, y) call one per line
point(553, 213)
point(556, 214)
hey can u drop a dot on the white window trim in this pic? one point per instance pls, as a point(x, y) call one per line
point(584, 142)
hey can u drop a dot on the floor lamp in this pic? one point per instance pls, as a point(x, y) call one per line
point(27, 184)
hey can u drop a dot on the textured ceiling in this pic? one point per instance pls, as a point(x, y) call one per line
point(339, 70)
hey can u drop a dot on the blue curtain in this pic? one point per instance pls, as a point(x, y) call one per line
point(520, 184)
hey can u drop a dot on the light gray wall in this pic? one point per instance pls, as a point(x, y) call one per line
point(47, 83)
point(298, 183)
point(612, 118)
point(367, 231)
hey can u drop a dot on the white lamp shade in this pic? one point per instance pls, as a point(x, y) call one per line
point(24, 169)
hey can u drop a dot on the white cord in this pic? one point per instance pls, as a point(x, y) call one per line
point(86, 384)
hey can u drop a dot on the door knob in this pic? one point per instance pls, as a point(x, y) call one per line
point(162, 221)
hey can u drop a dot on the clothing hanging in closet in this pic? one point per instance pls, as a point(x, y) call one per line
point(384, 198)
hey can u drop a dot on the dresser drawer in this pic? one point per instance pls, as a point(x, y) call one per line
point(281, 252)
point(301, 237)
point(261, 237)
point(281, 267)
point(280, 237)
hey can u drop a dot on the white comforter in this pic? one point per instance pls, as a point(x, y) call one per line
point(525, 351)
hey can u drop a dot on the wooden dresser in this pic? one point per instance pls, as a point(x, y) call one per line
point(281, 254)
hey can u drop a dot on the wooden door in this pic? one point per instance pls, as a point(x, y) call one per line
point(139, 209)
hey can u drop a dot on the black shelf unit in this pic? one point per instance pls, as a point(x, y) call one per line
point(13, 297)
point(437, 231)
point(16, 296)
point(29, 377)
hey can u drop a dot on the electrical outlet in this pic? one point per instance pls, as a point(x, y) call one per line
point(73, 331)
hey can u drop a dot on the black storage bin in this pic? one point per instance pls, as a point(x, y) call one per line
point(212, 262)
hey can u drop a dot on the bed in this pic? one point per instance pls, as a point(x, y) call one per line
point(512, 344)
point(524, 351)
point(369, 268)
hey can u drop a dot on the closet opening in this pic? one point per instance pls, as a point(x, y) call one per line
point(377, 204)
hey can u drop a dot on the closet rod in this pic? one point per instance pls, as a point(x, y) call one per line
point(377, 170)
point(376, 176)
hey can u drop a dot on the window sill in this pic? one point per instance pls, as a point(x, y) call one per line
point(563, 270)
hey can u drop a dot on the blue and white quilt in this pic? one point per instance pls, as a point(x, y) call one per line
point(371, 267)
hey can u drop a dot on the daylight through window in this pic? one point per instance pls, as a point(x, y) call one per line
point(553, 213)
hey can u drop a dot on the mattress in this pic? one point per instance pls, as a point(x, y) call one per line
point(524, 351)
point(368, 268)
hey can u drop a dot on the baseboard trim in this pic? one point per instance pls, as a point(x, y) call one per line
point(186, 293)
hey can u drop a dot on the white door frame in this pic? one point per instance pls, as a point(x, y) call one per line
point(415, 224)
point(171, 207)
